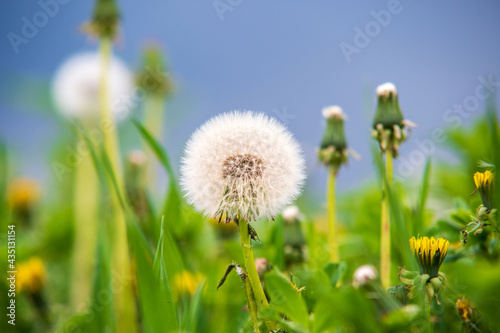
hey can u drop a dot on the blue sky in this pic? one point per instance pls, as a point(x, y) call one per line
point(281, 57)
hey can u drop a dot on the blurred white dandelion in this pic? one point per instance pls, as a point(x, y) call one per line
point(363, 274)
point(76, 87)
point(291, 213)
point(242, 165)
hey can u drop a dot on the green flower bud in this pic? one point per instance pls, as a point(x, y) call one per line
point(484, 184)
point(152, 77)
point(429, 253)
point(105, 19)
point(436, 284)
point(388, 111)
point(333, 148)
point(388, 123)
point(429, 289)
point(399, 293)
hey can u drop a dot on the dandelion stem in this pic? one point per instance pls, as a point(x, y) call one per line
point(251, 269)
point(427, 304)
point(252, 307)
point(385, 241)
point(124, 301)
point(85, 219)
point(332, 234)
point(110, 139)
point(154, 105)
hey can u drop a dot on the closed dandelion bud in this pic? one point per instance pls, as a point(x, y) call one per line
point(135, 183)
point(292, 229)
point(152, 77)
point(429, 289)
point(388, 111)
point(436, 284)
point(363, 275)
point(294, 240)
point(333, 148)
point(291, 214)
point(484, 185)
point(430, 254)
point(388, 124)
point(105, 19)
point(135, 167)
point(399, 293)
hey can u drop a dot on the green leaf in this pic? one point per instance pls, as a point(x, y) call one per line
point(156, 304)
point(103, 312)
point(189, 320)
point(172, 211)
point(286, 299)
point(158, 264)
point(164, 299)
point(157, 149)
point(335, 272)
point(345, 310)
point(316, 281)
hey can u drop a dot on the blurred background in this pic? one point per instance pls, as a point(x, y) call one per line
point(287, 59)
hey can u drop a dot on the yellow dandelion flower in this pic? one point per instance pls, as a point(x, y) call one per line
point(430, 253)
point(484, 182)
point(23, 193)
point(467, 311)
point(186, 283)
point(30, 275)
point(483, 179)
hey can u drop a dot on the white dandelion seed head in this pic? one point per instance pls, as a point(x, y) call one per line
point(386, 88)
point(291, 213)
point(363, 274)
point(242, 164)
point(76, 87)
point(333, 111)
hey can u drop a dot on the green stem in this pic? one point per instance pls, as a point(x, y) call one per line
point(332, 234)
point(85, 220)
point(252, 273)
point(385, 241)
point(124, 299)
point(110, 138)
point(252, 307)
point(427, 305)
point(154, 109)
point(154, 106)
